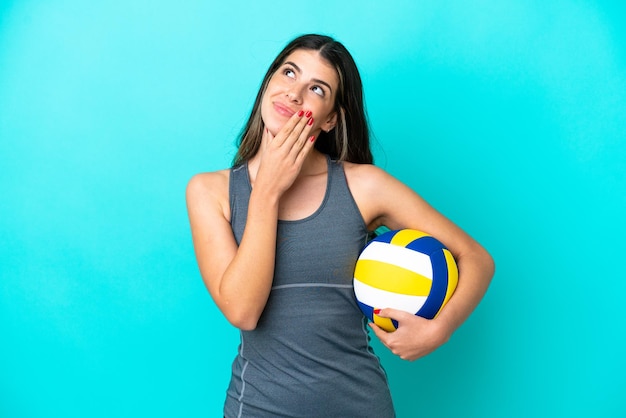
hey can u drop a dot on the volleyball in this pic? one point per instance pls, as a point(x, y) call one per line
point(407, 270)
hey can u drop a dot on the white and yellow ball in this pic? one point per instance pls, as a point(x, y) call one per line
point(407, 270)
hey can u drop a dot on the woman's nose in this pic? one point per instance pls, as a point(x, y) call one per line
point(294, 94)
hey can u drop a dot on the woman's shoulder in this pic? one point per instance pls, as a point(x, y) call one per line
point(209, 180)
point(209, 187)
point(364, 175)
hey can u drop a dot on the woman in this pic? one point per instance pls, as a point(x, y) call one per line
point(277, 237)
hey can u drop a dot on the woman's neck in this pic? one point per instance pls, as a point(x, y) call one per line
point(314, 164)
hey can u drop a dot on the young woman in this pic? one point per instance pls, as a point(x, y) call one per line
point(277, 237)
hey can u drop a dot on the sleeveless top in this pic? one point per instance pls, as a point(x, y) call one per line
point(309, 355)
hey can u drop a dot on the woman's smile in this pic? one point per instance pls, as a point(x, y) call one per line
point(282, 109)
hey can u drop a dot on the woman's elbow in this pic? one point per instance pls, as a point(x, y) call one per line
point(245, 325)
point(244, 321)
point(481, 261)
point(488, 264)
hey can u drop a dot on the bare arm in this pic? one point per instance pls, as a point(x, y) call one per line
point(378, 194)
point(239, 278)
point(238, 282)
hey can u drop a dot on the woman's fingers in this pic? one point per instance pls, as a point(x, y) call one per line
point(301, 138)
point(292, 130)
point(306, 147)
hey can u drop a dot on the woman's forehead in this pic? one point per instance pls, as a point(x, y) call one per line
point(311, 63)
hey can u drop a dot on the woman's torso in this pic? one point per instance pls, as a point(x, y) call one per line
point(310, 354)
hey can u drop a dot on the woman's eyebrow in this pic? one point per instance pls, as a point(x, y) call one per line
point(317, 80)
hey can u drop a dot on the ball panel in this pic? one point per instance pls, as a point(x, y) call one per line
point(378, 298)
point(391, 254)
point(453, 276)
point(440, 286)
point(404, 236)
point(387, 324)
point(392, 278)
point(385, 237)
point(426, 245)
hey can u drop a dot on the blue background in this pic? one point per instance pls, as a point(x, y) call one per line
point(508, 116)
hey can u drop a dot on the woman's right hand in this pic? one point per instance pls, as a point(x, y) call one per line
point(282, 155)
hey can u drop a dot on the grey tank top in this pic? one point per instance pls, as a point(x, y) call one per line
point(309, 355)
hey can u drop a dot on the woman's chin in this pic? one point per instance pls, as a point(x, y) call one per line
point(274, 127)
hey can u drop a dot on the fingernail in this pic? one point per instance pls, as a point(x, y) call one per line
point(376, 311)
point(310, 121)
point(300, 113)
point(308, 114)
point(312, 138)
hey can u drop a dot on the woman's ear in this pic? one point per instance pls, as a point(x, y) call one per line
point(330, 122)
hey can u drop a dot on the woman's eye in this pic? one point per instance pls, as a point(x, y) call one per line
point(318, 90)
point(289, 73)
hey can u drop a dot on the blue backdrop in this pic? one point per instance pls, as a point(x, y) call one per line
point(508, 116)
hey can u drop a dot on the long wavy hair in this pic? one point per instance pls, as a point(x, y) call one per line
point(349, 140)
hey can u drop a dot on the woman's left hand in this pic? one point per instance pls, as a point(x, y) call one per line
point(415, 336)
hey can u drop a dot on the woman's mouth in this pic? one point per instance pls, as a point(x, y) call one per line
point(283, 110)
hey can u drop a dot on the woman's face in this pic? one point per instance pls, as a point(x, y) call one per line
point(304, 81)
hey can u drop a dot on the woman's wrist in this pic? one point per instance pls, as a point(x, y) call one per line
point(443, 329)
